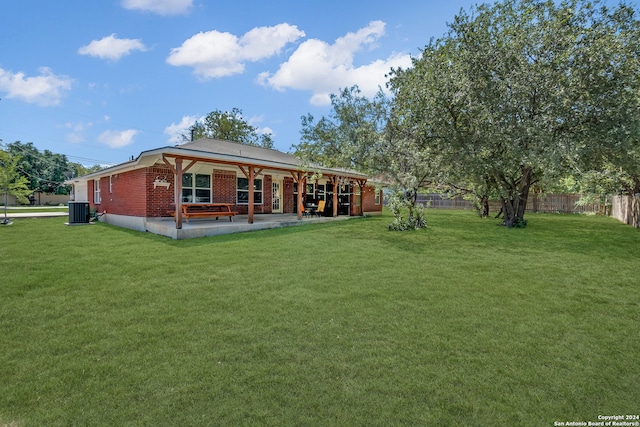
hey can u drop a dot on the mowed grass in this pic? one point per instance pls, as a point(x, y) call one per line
point(342, 324)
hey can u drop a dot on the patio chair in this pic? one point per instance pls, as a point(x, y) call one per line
point(320, 210)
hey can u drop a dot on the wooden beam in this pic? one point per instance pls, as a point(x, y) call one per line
point(169, 165)
point(193, 162)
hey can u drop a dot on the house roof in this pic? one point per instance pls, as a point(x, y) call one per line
point(228, 152)
point(249, 152)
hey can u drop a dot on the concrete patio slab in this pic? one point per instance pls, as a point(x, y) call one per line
point(213, 227)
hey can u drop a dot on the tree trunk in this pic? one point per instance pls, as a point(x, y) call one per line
point(516, 204)
point(485, 207)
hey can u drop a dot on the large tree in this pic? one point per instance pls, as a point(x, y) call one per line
point(11, 181)
point(229, 126)
point(524, 91)
point(45, 171)
point(359, 134)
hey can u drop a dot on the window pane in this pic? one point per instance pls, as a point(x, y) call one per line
point(257, 198)
point(203, 196)
point(203, 181)
point(257, 184)
point(243, 197)
point(243, 184)
point(187, 180)
point(187, 195)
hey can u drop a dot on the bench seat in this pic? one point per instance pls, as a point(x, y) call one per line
point(214, 210)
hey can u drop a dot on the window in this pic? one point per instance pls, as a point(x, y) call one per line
point(110, 184)
point(377, 196)
point(311, 193)
point(196, 188)
point(243, 191)
point(96, 192)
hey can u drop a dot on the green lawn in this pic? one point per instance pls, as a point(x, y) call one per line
point(341, 324)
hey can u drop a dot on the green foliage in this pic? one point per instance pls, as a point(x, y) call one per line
point(11, 181)
point(44, 171)
point(399, 203)
point(520, 223)
point(350, 137)
point(229, 126)
point(547, 99)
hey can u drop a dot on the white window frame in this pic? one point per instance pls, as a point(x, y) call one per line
point(258, 196)
point(194, 189)
point(97, 199)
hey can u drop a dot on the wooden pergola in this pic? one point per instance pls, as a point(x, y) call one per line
point(180, 164)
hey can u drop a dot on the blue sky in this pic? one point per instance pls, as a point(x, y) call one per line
point(103, 80)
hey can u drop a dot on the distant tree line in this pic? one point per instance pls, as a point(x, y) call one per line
point(43, 171)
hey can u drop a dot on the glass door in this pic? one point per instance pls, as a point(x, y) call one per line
point(276, 206)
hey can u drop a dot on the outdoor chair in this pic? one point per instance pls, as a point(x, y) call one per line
point(320, 209)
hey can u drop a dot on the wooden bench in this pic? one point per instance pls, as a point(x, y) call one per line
point(206, 210)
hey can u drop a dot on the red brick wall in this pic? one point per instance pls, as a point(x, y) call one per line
point(267, 195)
point(224, 186)
point(288, 202)
point(133, 193)
point(369, 200)
point(159, 199)
point(127, 196)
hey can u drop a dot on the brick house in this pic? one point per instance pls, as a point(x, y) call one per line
point(158, 182)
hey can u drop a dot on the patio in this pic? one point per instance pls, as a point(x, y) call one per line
point(212, 227)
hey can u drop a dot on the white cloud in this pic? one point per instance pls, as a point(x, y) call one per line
point(117, 138)
point(324, 69)
point(214, 54)
point(77, 132)
point(44, 90)
point(176, 131)
point(111, 47)
point(255, 121)
point(161, 7)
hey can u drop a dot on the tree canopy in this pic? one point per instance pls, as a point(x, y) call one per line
point(43, 170)
point(517, 93)
point(11, 181)
point(524, 92)
point(229, 126)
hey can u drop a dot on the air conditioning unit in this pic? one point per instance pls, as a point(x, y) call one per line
point(79, 213)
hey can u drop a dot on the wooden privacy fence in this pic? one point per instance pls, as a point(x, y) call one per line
point(626, 209)
point(549, 203)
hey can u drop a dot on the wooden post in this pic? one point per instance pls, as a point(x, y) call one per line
point(361, 183)
point(178, 171)
point(335, 182)
point(301, 179)
point(251, 178)
point(178, 193)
